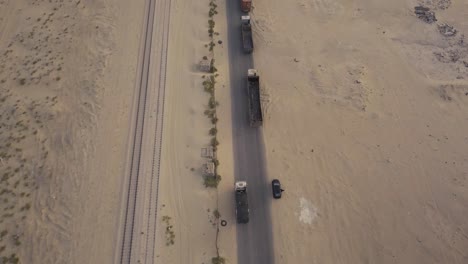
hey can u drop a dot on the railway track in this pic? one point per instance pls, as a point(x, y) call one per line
point(138, 230)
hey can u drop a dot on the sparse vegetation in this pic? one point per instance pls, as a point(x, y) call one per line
point(212, 181)
point(212, 102)
point(211, 45)
point(211, 23)
point(23, 115)
point(210, 113)
point(213, 70)
point(216, 214)
point(16, 240)
point(213, 131)
point(218, 260)
point(214, 142)
point(209, 87)
point(170, 235)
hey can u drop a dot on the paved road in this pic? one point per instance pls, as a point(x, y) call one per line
point(254, 240)
point(138, 229)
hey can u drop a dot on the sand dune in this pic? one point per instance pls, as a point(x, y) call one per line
point(53, 80)
point(365, 128)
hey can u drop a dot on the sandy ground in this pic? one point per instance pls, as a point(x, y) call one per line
point(366, 127)
point(67, 78)
point(182, 195)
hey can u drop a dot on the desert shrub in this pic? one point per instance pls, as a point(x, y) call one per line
point(213, 131)
point(211, 45)
point(212, 102)
point(208, 86)
point(214, 142)
point(211, 23)
point(210, 113)
point(211, 181)
point(216, 214)
point(212, 12)
point(218, 260)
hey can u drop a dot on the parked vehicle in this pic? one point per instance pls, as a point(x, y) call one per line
point(255, 106)
point(247, 39)
point(276, 188)
point(246, 5)
point(242, 205)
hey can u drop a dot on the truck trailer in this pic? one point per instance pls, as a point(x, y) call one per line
point(242, 205)
point(255, 106)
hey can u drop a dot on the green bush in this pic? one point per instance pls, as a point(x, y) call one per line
point(212, 181)
point(210, 113)
point(211, 45)
point(214, 142)
point(211, 23)
point(218, 260)
point(212, 103)
point(212, 12)
point(208, 86)
point(213, 131)
point(216, 214)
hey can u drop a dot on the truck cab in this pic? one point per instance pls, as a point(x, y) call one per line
point(247, 38)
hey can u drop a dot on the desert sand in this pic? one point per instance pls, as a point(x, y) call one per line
point(366, 127)
point(182, 195)
point(68, 76)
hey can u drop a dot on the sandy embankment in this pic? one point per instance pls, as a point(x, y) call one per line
point(366, 128)
point(67, 77)
point(182, 195)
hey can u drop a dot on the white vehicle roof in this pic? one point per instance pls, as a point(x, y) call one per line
point(243, 18)
point(240, 185)
point(252, 72)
